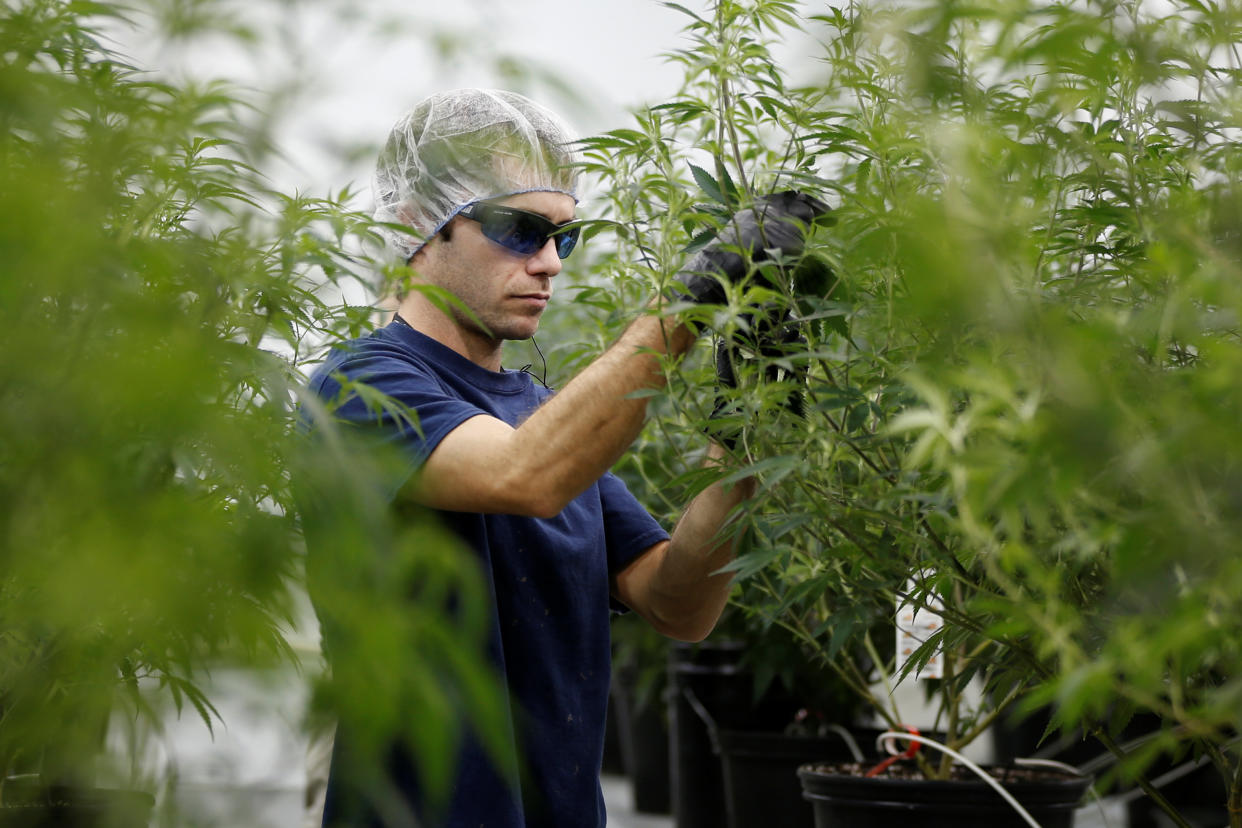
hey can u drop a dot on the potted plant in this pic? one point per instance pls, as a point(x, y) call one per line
point(791, 712)
point(1010, 350)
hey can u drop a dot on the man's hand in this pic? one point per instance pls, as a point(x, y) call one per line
point(775, 222)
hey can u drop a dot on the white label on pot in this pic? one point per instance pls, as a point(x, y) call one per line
point(915, 624)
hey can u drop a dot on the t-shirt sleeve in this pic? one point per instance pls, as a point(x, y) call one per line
point(395, 402)
point(629, 529)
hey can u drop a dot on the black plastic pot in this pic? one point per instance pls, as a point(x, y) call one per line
point(613, 761)
point(762, 789)
point(843, 800)
point(710, 691)
point(643, 736)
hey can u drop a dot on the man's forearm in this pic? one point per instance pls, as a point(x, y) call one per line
point(585, 428)
point(685, 592)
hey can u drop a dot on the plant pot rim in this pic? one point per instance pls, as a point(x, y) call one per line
point(1046, 785)
point(1052, 795)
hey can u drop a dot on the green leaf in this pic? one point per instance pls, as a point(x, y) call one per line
point(744, 566)
point(708, 185)
point(683, 10)
point(774, 467)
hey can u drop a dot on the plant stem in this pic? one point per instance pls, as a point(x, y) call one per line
point(952, 703)
point(1234, 801)
point(844, 666)
point(725, 119)
point(987, 721)
point(1151, 790)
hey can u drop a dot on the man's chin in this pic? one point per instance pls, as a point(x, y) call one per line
point(521, 335)
point(523, 331)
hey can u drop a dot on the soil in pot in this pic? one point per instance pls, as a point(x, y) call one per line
point(843, 797)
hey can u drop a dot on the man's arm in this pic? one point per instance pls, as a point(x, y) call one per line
point(485, 465)
point(675, 585)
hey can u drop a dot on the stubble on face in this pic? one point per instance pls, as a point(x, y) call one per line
point(506, 294)
point(488, 312)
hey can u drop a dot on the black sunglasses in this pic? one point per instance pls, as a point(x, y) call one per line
point(521, 231)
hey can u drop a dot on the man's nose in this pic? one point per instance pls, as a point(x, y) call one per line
point(546, 261)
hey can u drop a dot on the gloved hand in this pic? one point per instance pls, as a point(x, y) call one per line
point(768, 339)
point(777, 221)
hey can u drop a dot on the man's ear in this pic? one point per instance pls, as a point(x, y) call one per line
point(446, 232)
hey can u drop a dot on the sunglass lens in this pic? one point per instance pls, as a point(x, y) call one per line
point(522, 232)
point(565, 241)
point(517, 232)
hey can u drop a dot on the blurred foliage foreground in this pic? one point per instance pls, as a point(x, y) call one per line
point(156, 303)
point(1019, 364)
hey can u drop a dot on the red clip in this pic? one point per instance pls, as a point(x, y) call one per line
point(907, 754)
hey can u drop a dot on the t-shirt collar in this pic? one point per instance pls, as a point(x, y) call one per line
point(436, 351)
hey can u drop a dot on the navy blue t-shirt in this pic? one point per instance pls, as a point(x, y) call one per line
point(549, 581)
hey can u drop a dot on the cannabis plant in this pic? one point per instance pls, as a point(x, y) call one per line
point(1009, 395)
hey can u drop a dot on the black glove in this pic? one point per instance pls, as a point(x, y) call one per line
point(726, 420)
point(767, 338)
point(775, 221)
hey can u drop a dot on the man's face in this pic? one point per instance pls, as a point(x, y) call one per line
point(508, 292)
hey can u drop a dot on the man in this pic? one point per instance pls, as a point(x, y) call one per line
point(485, 182)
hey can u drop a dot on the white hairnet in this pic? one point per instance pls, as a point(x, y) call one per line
point(463, 146)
